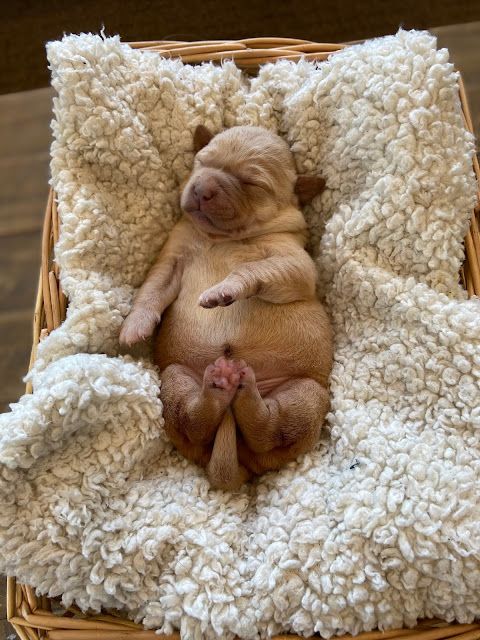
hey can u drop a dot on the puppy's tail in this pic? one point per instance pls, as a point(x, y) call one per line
point(223, 470)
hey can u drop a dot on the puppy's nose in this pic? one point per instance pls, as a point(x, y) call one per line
point(205, 191)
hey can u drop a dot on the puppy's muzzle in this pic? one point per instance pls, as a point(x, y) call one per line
point(201, 194)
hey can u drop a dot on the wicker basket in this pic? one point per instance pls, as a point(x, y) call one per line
point(35, 617)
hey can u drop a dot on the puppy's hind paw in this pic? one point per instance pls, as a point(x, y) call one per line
point(223, 375)
point(247, 378)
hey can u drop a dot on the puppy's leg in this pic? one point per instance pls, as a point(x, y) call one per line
point(223, 470)
point(160, 288)
point(280, 426)
point(279, 279)
point(196, 407)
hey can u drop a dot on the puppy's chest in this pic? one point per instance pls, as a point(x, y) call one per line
point(209, 265)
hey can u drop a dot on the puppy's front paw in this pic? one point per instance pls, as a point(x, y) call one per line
point(137, 326)
point(218, 296)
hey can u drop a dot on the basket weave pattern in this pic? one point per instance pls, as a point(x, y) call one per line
point(35, 617)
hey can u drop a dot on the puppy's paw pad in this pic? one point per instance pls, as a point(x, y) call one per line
point(217, 297)
point(247, 377)
point(207, 302)
point(223, 374)
point(226, 298)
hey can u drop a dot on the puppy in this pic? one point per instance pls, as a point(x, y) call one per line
point(244, 346)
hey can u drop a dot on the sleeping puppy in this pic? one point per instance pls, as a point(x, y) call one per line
point(244, 346)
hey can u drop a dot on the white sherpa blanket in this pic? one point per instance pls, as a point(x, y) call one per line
point(381, 524)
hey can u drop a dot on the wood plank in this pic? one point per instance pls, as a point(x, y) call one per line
point(16, 339)
point(24, 159)
point(19, 264)
point(7, 632)
point(24, 192)
point(25, 122)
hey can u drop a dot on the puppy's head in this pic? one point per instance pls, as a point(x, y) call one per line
point(241, 178)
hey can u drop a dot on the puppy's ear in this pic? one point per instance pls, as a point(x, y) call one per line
point(307, 187)
point(201, 137)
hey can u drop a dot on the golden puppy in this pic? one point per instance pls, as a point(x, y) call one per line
point(244, 346)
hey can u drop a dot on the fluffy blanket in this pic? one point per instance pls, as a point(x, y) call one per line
point(379, 525)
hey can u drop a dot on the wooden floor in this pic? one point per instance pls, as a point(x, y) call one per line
point(24, 155)
point(25, 136)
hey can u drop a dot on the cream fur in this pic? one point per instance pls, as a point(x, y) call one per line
point(380, 524)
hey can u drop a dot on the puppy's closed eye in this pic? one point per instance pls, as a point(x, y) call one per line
point(252, 181)
point(249, 182)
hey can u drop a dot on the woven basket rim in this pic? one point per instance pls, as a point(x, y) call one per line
point(247, 53)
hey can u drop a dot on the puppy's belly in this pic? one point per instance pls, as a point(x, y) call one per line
point(278, 341)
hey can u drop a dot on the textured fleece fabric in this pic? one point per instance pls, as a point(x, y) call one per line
point(380, 524)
